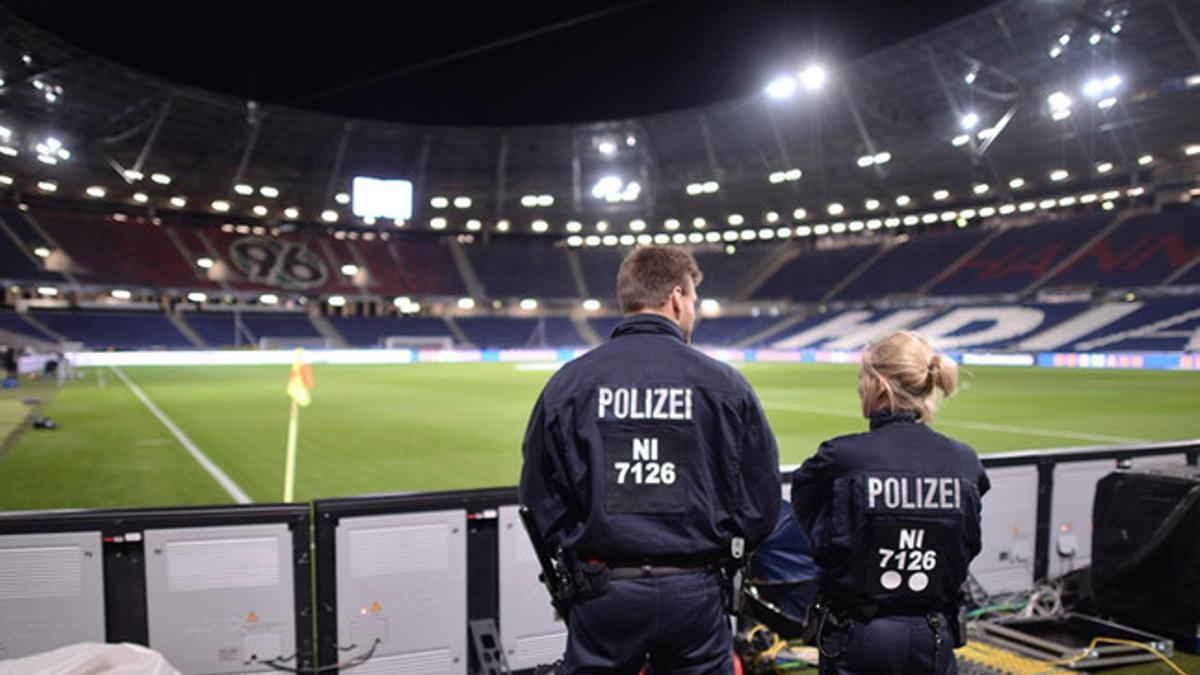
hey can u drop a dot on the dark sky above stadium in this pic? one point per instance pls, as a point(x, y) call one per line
point(486, 62)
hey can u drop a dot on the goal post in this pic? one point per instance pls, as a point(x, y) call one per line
point(284, 342)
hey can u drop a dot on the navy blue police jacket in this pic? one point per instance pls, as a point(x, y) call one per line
point(645, 449)
point(893, 515)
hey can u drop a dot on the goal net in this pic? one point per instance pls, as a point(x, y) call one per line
point(285, 342)
point(418, 342)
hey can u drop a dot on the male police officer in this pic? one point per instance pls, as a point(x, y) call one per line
point(645, 460)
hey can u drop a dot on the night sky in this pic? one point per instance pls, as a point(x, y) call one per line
point(610, 60)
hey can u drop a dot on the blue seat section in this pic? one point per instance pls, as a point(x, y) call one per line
point(906, 267)
point(724, 331)
point(1144, 250)
point(11, 322)
point(524, 269)
point(363, 331)
point(810, 275)
point(604, 325)
point(1020, 256)
point(220, 329)
point(15, 265)
point(1052, 315)
point(599, 267)
point(1172, 337)
point(115, 330)
point(509, 332)
point(1190, 277)
point(724, 273)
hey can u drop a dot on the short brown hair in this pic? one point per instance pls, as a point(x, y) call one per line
point(649, 273)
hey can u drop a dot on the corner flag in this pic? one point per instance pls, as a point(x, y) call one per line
point(300, 381)
point(299, 388)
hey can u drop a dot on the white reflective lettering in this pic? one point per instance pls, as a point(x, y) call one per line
point(874, 489)
point(605, 396)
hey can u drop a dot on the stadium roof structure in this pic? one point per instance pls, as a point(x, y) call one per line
point(1050, 91)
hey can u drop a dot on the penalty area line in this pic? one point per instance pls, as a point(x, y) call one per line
point(983, 426)
point(213, 470)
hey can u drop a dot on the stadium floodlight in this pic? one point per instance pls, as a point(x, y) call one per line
point(1058, 101)
point(178, 201)
point(699, 223)
point(662, 239)
point(966, 214)
point(132, 176)
point(5, 132)
point(874, 224)
point(728, 235)
point(694, 189)
point(548, 200)
point(591, 305)
point(960, 140)
point(835, 209)
point(891, 222)
point(439, 202)
point(606, 187)
point(9, 151)
point(268, 299)
point(539, 226)
point(871, 204)
point(1098, 86)
point(799, 214)
point(1191, 150)
point(462, 202)
point(782, 87)
point(803, 231)
point(776, 177)
point(1135, 191)
point(602, 226)
point(855, 226)
point(941, 195)
point(474, 225)
point(1104, 167)
point(1046, 204)
point(748, 235)
point(628, 240)
point(865, 161)
point(607, 147)
point(882, 157)
point(259, 210)
point(466, 303)
point(48, 159)
point(637, 225)
point(1026, 207)
point(783, 232)
point(349, 269)
point(1145, 160)
point(47, 186)
point(574, 241)
point(736, 219)
point(1069, 200)
point(6, 179)
point(197, 297)
point(987, 212)
point(766, 233)
point(903, 200)
point(574, 226)
point(204, 263)
point(969, 120)
point(709, 187)
point(160, 178)
point(437, 223)
point(813, 77)
point(771, 216)
point(1088, 198)
point(342, 198)
point(696, 238)
point(269, 191)
point(671, 224)
point(1106, 103)
point(610, 240)
point(980, 188)
point(837, 228)
point(291, 213)
point(931, 218)
point(97, 191)
point(48, 291)
point(219, 205)
point(645, 239)
point(821, 229)
point(591, 240)
point(529, 201)
point(337, 301)
point(1059, 175)
point(329, 216)
point(1016, 183)
point(911, 219)
point(528, 304)
point(41, 252)
point(1007, 209)
point(1064, 39)
point(1060, 114)
point(503, 226)
point(243, 189)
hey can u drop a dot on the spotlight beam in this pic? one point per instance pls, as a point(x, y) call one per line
point(153, 137)
point(862, 130)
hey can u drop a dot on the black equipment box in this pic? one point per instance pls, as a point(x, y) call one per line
point(1146, 550)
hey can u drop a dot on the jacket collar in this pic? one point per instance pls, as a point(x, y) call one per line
point(647, 324)
point(884, 417)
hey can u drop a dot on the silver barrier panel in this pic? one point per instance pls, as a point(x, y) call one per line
point(51, 592)
point(220, 598)
point(401, 587)
point(1005, 564)
point(530, 630)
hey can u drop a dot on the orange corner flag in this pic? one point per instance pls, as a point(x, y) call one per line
point(300, 381)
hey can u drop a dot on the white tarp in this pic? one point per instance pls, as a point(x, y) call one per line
point(91, 658)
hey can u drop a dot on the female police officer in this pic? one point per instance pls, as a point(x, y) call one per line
point(893, 515)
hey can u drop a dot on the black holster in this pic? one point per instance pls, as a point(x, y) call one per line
point(589, 578)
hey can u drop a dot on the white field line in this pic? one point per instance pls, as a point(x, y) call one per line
point(213, 470)
point(981, 426)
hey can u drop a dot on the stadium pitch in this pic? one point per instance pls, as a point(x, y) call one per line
point(431, 427)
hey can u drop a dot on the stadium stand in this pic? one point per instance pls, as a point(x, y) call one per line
point(17, 241)
point(812, 274)
point(725, 331)
point(1168, 324)
point(102, 330)
point(227, 329)
point(907, 266)
point(11, 322)
point(409, 267)
point(522, 269)
point(1144, 250)
point(724, 273)
point(1020, 256)
point(603, 325)
point(362, 331)
point(509, 332)
point(599, 266)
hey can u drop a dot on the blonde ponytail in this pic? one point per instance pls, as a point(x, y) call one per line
point(902, 372)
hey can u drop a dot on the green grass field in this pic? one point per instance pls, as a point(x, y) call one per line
point(435, 427)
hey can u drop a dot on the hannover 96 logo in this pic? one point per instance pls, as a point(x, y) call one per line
point(277, 262)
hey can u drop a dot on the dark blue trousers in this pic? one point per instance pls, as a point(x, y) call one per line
point(676, 623)
point(889, 645)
